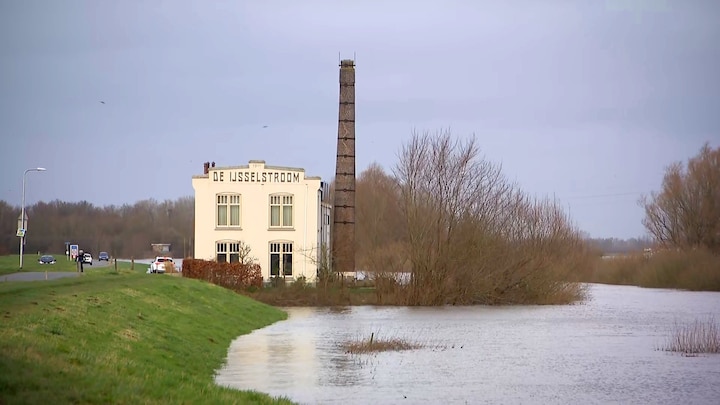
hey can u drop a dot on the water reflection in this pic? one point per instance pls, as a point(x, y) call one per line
point(597, 352)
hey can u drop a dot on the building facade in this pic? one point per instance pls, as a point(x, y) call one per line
point(275, 216)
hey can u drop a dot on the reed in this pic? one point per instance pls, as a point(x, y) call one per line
point(699, 336)
point(375, 343)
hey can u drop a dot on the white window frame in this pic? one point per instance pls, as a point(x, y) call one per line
point(284, 251)
point(285, 211)
point(225, 202)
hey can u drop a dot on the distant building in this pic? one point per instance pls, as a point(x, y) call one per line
point(281, 214)
point(160, 247)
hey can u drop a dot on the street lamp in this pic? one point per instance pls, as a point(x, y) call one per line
point(22, 229)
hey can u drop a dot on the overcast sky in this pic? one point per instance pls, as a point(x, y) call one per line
point(588, 101)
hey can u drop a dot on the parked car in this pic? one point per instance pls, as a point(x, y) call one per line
point(46, 259)
point(103, 256)
point(158, 266)
point(87, 258)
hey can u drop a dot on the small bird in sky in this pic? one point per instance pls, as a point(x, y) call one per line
point(265, 126)
point(102, 102)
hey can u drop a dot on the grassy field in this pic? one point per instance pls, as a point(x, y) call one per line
point(124, 337)
point(11, 264)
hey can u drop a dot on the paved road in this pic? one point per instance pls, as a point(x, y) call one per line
point(54, 275)
point(51, 275)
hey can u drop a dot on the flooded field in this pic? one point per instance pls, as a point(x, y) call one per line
point(604, 350)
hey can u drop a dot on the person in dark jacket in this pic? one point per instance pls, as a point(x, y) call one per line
point(79, 260)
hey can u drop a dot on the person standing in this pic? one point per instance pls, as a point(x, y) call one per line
point(79, 260)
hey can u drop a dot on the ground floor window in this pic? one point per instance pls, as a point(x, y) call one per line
point(227, 251)
point(281, 258)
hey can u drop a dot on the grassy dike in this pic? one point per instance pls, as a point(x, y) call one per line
point(122, 338)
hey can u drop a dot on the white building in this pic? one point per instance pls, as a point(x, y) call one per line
point(281, 214)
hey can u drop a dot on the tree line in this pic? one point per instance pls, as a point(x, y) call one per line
point(443, 214)
point(123, 231)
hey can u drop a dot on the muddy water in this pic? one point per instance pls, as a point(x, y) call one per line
point(602, 351)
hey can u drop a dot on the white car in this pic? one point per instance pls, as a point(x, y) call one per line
point(158, 266)
point(87, 258)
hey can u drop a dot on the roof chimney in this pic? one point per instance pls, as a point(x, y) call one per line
point(206, 167)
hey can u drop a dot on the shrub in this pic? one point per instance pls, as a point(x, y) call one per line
point(694, 269)
point(234, 276)
point(300, 283)
point(170, 267)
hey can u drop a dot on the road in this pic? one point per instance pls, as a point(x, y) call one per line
point(50, 275)
point(54, 275)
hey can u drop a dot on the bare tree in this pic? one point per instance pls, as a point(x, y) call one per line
point(380, 226)
point(686, 212)
point(245, 254)
point(474, 237)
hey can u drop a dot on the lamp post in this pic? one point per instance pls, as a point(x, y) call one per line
point(21, 231)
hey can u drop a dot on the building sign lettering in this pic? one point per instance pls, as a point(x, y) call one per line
point(255, 177)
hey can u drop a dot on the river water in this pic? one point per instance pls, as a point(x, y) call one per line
point(605, 350)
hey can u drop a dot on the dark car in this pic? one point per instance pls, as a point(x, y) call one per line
point(46, 259)
point(103, 256)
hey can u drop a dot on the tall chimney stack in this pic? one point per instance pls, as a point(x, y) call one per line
point(343, 239)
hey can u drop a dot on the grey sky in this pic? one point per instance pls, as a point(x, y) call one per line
point(584, 100)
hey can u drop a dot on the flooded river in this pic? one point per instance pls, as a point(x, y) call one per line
point(602, 351)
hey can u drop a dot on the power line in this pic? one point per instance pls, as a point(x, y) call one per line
point(606, 195)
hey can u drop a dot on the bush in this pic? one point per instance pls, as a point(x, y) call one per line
point(234, 276)
point(300, 283)
point(694, 269)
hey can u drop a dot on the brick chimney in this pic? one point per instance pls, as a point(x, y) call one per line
point(343, 232)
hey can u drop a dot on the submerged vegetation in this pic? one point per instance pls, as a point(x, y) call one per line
point(699, 336)
point(375, 343)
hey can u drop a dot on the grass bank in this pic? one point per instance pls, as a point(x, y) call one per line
point(122, 338)
point(695, 270)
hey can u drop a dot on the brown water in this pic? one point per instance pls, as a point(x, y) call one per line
point(602, 351)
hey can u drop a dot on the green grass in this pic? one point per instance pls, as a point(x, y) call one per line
point(11, 263)
point(125, 337)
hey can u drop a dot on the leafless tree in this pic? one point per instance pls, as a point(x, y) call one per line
point(472, 236)
point(686, 212)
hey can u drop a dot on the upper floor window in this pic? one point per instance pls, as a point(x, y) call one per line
point(228, 210)
point(281, 211)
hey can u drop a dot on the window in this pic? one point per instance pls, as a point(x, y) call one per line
point(281, 211)
point(221, 254)
point(228, 210)
point(281, 259)
point(227, 250)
